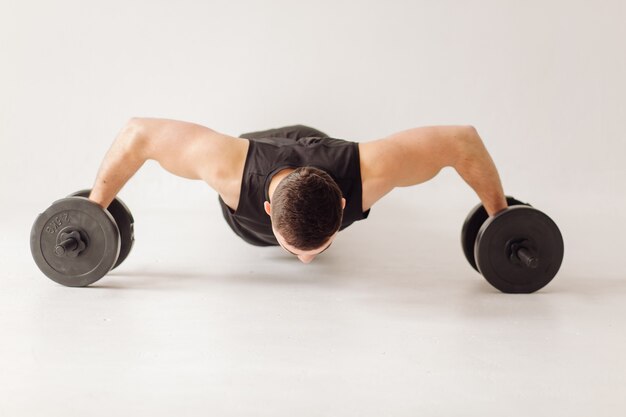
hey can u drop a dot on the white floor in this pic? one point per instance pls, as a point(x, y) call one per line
point(197, 322)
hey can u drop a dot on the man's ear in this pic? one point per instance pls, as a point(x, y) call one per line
point(268, 208)
point(343, 203)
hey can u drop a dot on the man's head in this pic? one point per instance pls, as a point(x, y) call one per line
point(306, 211)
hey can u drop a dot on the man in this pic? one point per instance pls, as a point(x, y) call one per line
point(295, 186)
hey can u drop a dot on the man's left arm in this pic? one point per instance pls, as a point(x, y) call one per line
point(478, 170)
point(414, 156)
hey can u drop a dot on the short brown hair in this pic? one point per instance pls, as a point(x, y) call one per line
point(306, 208)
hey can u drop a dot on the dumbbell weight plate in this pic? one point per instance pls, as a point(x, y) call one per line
point(473, 222)
point(98, 228)
point(519, 224)
point(125, 224)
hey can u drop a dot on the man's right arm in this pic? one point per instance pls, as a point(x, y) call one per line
point(185, 149)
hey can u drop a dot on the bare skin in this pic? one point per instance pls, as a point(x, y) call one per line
point(402, 159)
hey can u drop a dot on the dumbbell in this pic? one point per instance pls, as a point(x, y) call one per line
point(519, 250)
point(75, 242)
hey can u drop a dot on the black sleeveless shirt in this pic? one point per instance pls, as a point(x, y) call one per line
point(267, 156)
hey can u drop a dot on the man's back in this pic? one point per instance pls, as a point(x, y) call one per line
point(268, 156)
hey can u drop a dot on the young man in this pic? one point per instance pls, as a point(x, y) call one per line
point(295, 186)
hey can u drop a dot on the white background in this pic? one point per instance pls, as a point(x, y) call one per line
point(542, 81)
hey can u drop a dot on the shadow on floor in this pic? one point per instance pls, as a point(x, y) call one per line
point(376, 278)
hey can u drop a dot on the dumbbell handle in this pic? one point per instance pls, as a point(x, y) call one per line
point(67, 245)
point(528, 259)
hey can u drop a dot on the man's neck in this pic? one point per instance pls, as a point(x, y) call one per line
point(277, 178)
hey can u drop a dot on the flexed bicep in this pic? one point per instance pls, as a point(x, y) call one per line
point(187, 149)
point(414, 156)
point(184, 149)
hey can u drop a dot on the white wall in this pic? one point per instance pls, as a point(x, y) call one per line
point(543, 82)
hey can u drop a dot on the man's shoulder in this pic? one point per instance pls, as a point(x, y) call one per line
point(228, 181)
point(375, 184)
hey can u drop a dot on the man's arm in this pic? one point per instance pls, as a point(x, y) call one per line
point(416, 155)
point(182, 148)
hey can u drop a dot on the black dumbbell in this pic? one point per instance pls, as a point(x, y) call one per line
point(125, 223)
point(519, 250)
point(75, 242)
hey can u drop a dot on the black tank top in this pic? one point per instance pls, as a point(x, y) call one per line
point(267, 156)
